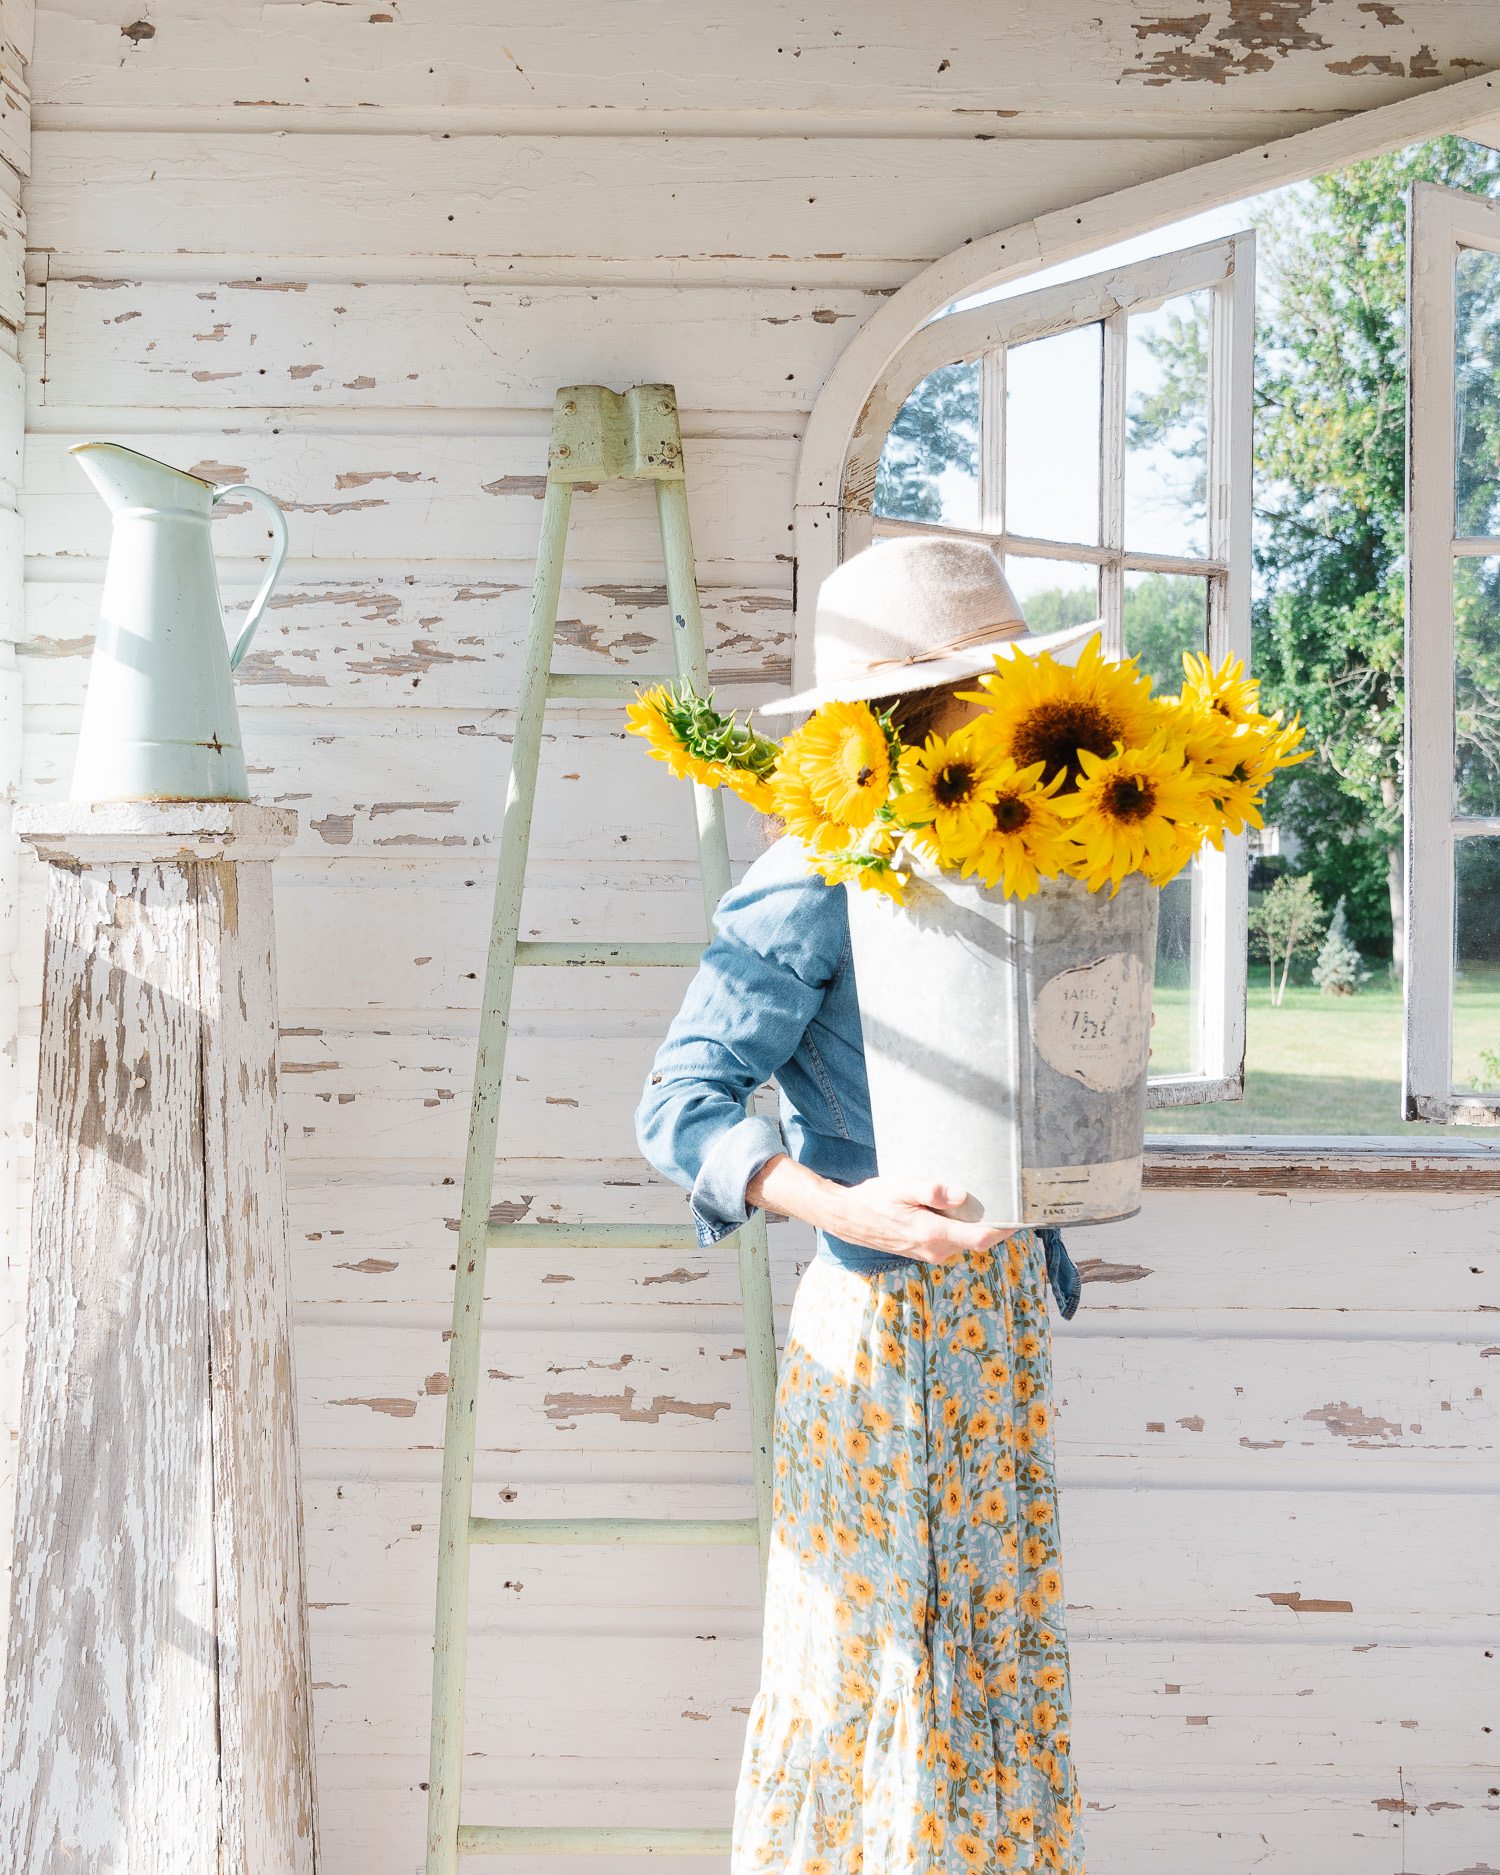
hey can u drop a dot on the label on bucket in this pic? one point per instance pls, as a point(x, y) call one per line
point(1090, 1023)
point(1058, 1194)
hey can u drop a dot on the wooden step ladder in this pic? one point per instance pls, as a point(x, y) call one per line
point(596, 437)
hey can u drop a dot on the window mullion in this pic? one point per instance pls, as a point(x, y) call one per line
point(1427, 1067)
point(1112, 483)
point(1222, 905)
point(992, 442)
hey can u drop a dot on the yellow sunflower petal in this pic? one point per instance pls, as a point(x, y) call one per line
point(1023, 838)
point(1140, 810)
point(649, 718)
point(1225, 690)
point(761, 795)
point(842, 755)
point(1043, 711)
point(946, 787)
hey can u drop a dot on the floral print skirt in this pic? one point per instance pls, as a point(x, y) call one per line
point(913, 1712)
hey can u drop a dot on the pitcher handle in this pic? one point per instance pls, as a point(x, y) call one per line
point(278, 561)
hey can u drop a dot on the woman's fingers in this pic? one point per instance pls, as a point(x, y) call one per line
point(947, 1240)
point(910, 1220)
point(933, 1197)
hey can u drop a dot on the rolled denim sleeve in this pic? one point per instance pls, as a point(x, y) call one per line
point(760, 983)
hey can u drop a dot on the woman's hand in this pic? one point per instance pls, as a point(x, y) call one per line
point(903, 1220)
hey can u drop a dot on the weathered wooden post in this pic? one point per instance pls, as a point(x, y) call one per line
point(157, 1689)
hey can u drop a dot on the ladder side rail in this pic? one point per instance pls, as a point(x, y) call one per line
point(598, 1839)
point(451, 1639)
point(713, 865)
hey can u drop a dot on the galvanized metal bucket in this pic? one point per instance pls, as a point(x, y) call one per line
point(1006, 1041)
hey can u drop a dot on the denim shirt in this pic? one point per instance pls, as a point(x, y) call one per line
point(774, 996)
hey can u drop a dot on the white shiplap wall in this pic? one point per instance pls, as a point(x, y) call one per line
point(349, 255)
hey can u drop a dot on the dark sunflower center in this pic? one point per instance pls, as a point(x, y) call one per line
point(1054, 733)
point(1011, 815)
point(1222, 707)
point(1129, 797)
point(953, 785)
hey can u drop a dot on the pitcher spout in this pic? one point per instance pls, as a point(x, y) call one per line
point(127, 479)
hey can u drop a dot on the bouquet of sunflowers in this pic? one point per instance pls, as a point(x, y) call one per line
point(1067, 770)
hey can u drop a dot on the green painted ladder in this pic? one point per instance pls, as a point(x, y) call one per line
point(596, 437)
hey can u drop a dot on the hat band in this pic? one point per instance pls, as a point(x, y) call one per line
point(934, 654)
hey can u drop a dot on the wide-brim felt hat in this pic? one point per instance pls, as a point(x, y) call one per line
point(913, 613)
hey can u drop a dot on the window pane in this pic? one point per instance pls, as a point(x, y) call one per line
point(1476, 963)
point(1166, 614)
point(1476, 392)
point(1176, 1032)
point(929, 468)
point(1476, 687)
point(1054, 593)
point(1053, 392)
point(1166, 430)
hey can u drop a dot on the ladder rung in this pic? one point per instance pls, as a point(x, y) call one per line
point(615, 956)
point(686, 1530)
point(608, 686)
point(599, 1237)
point(491, 1839)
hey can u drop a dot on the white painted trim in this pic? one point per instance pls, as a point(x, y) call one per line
point(1441, 222)
point(1139, 286)
point(1225, 269)
point(874, 359)
point(1029, 246)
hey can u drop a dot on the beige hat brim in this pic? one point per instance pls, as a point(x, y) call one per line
point(901, 679)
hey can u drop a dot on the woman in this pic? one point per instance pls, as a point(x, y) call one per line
point(913, 1709)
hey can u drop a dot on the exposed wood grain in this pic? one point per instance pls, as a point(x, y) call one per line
point(157, 1683)
point(112, 1622)
point(267, 1771)
point(1325, 1165)
point(363, 782)
point(433, 498)
point(687, 199)
point(1213, 1821)
point(394, 640)
point(436, 346)
point(437, 63)
point(15, 112)
point(366, 1233)
point(687, 1701)
point(1147, 1562)
point(1209, 1395)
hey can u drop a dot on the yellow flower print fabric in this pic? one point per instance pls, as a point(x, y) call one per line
point(913, 1714)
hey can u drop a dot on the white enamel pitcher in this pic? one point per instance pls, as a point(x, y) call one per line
point(159, 722)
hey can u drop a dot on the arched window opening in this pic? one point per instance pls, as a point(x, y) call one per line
point(1097, 434)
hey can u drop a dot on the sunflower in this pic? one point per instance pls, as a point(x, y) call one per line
point(1235, 781)
point(1043, 711)
point(1022, 839)
point(1140, 810)
point(871, 872)
point(699, 742)
point(946, 787)
point(843, 754)
point(662, 719)
point(802, 816)
point(1209, 740)
point(1227, 691)
point(759, 792)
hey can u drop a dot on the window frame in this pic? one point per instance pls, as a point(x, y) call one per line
point(1440, 223)
point(1226, 269)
